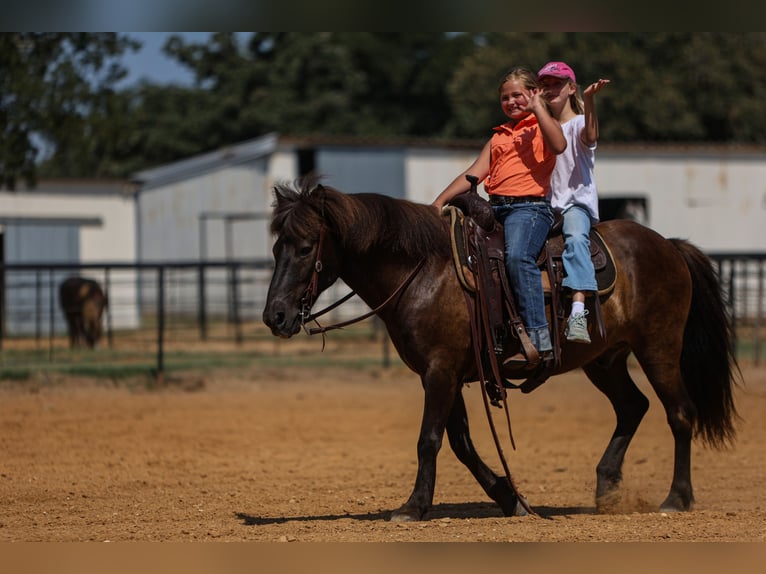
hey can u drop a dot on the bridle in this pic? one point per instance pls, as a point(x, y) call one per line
point(312, 290)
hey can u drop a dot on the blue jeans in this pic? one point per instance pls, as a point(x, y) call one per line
point(526, 227)
point(580, 275)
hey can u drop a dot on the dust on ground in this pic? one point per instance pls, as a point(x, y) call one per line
point(307, 453)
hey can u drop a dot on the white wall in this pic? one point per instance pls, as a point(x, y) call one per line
point(114, 241)
point(429, 171)
point(170, 224)
point(717, 201)
point(283, 167)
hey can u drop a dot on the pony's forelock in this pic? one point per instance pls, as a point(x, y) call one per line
point(288, 197)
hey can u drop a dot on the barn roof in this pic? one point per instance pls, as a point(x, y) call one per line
point(265, 145)
point(244, 152)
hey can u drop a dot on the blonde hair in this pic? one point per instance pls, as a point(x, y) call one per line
point(526, 77)
point(575, 100)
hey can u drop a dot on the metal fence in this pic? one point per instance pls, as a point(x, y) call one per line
point(742, 280)
point(154, 309)
point(159, 307)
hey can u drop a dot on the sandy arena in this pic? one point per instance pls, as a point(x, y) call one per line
point(325, 454)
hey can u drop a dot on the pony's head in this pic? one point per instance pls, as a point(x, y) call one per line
point(305, 261)
point(323, 234)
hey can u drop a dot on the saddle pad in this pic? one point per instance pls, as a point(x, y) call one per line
point(459, 254)
point(607, 274)
point(603, 262)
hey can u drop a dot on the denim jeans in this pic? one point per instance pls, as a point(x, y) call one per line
point(580, 275)
point(526, 227)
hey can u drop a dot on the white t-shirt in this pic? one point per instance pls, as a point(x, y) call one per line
point(572, 181)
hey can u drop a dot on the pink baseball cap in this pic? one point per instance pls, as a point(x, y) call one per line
point(557, 70)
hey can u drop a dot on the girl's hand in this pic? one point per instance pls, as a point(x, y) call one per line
point(536, 101)
point(594, 88)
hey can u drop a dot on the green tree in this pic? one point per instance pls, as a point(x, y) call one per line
point(360, 83)
point(52, 87)
point(57, 91)
point(666, 86)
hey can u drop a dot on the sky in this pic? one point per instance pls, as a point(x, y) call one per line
point(151, 64)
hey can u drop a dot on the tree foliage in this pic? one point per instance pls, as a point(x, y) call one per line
point(58, 91)
point(55, 92)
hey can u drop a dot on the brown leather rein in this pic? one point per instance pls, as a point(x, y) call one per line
point(310, 295)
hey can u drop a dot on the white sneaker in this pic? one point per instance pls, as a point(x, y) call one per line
point(577, 328)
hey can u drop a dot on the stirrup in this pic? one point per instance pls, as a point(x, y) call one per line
point(519, 360)
point(545, 368)
point(515, 361)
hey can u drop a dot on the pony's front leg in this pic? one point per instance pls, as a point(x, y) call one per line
point(497, 487)
point(439, 397)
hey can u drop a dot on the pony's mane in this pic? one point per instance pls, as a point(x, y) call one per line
point(363, 222)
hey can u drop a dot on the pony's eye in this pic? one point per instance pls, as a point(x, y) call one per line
point(305, 251)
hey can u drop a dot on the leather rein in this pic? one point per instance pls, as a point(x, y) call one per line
point(312, 291)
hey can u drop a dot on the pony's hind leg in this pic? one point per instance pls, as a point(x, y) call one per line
point(609, 373)
point(496, 487)
point(667, 382)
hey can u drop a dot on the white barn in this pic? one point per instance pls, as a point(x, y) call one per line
point(62, 222)
point(215, 206)
point(714, 196)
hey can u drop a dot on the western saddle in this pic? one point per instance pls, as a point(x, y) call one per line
point(478, 246)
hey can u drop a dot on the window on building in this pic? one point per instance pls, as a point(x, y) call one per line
point(306, 161)
point(634, 208)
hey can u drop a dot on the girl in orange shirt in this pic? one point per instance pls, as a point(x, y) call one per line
point(516, 166)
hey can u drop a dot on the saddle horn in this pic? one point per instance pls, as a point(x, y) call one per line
point(475, 206)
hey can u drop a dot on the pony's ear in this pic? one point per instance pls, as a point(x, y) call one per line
point(283, 193)
point(309, 183)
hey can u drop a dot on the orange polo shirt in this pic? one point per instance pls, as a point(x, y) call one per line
point(520, 164)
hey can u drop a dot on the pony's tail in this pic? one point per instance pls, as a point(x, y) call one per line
point(708, 363)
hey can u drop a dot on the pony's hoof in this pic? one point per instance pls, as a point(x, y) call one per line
point(521, 507)
point(405, 515)
point(675, 506)
point(609, 503)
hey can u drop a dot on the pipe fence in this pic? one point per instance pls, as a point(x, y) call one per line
point(196, 312)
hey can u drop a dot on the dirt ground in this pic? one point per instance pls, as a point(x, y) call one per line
point(325, 454)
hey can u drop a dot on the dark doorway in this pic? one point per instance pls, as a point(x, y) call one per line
point(634, 208)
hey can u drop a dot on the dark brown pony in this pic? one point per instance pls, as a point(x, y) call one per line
point(666, 308)
point(83, 302)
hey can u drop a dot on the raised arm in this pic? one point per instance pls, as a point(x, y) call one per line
point(549, 126)
point(590, 131)
point(479, 168)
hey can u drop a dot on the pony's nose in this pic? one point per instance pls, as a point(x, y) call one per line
point(279, 319)
point(274, 319)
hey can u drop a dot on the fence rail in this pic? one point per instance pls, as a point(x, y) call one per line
point(743, 283)
point(166, 307)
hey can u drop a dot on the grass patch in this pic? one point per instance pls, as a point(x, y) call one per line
point(17, 374)
point(116, 365)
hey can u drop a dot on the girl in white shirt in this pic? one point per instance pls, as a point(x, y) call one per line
point(573, 188)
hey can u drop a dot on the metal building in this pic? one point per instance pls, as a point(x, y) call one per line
point(63, 222)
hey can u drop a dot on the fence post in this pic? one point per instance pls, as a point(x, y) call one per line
point(732, 303)
point(38, 307)
point(234, 269)
point(160, 324)
point(758, 316)
point(201, 305)
point(52, 315)
point(2, 306)
point(107, 290)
